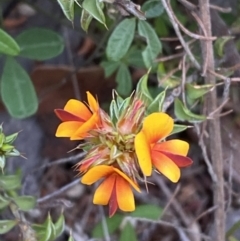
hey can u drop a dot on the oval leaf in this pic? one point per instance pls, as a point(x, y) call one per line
point(40, 44)
point(124, 80)
point(68, 8)
point(153, 8)
point(6, 225)
point(8, 45)
point(121, 39)
point(17, 90)
point(154, 46)
point(93, 7)
point(10, 182)
point(25, 203)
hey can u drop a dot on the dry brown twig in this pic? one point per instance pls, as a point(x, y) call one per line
point(214, 127)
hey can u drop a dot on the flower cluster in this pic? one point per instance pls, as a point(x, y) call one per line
point(123, 148)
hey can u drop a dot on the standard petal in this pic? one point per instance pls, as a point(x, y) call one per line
point(92, 102)
point(173, 146)
point(142, 149)
point(95, 173)
point(157, 126)
point(166, 166)
point(104, 191)
point(86, 127)
point(134, 185)
point(77, 108)
point(66, 129)
point(125, 196)
point(180, 161)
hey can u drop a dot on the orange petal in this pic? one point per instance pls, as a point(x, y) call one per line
point(180, 161)
point(166, 166)
point(127, 179)
point(86, 127)
point(92, 102)
point(104, 191)
point(66, 129)
point(143, 153)
point(157, 126)
point(66, 116)
point(125, 196)
point(173, 146)
point(77, 108)
point(95, 173)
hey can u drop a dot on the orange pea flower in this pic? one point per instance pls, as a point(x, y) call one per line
point(115, 189)
point(77, 118)
point(153, 150)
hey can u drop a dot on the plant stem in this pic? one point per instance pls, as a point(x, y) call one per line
point(213, 126)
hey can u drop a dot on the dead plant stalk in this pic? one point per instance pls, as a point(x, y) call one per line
point(213, 125)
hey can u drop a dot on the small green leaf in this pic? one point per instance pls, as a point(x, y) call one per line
point(121, 39)
point(147, 211)
point(196, 91)
point(154, 46)
point(93, 7)
point(7, 225)
point(67, 8)
point(17, 91)
point(179, 128)
point(40, 44)
point(142, 90)
point(3, 202)
point(220, 43)
point(157, 104)
point(153, 8)
point(10, 182)
point(112, 224)
point(2, 139)
point(182, 113)
point(109, 67)
point(8, 45)
point(134, 58)
point(70, 238)
point(44, 231)
point(128, 233)
point(124, 80)
point(114, 112)
point(86, 19)
point(25, 203)
point(11, 138)
point(58, 227)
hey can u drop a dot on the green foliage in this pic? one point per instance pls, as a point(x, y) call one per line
point(17, 90)
point(121, 39)
point(39, 44)
point(154, 46)
point(153, 8)
point(128, 233)
point(8, 45)
point(124, 80)
point(16, 82)
point(68, 8)
point(7, 225)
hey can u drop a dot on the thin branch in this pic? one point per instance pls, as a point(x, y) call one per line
point(177, 30)
point(214, 127)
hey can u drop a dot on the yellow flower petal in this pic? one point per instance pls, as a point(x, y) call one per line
point(173, 146)
point(92, 102)
point(143, 153)
point(166, 166)
point(125, 196)
point(96, 173)
point(104, 191)
point(134, 185)
point(86, 127)
point(77, 108)
point(157, 126)
point(66, 129)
